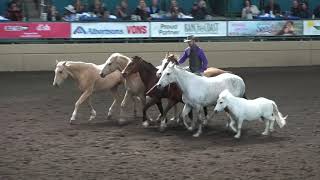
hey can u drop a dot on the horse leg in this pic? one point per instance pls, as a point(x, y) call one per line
point(231, 122)
point(152, 101)
point(185, 112)
point(159, 105)
point(271, 127)
point(240, 121)
point(170, 104)
point(93, 112)
point(201, 120)
point(205, 121)
point(124, 103)
point(115, 95)
point(82, 98)
point(176, 113)
point(266, 130)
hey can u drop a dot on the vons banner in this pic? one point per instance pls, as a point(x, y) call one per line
point(185, 28)
point(15, 30)
point(110, 30)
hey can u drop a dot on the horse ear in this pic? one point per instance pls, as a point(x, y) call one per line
point(64, 63)
point(57, 62)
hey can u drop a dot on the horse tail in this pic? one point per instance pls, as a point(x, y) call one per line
point(278, 116)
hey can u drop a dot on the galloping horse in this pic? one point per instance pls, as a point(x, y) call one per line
point(148, 76)
point(198, 91)
point(87, 77)
point(134, 85)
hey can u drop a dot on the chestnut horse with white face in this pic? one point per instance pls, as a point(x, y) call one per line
point(89, 81)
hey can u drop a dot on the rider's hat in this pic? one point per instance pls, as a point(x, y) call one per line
point(190, 38)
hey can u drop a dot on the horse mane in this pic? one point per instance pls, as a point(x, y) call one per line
point(147, 66)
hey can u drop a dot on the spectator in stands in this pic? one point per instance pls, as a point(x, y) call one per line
point(199, 10)
point(175, 10)
point(295, 9)
point(98, 9)
point(53, 14)
point(79, 7)
point(154, 8)
point(316, 12)
point(272, 8)
point(122, 11)
point(249, 10)
point(70, 14)
point(305, 13)
point(142, 12)
point(14, 13)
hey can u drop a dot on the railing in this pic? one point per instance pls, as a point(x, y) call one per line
point(168, 31)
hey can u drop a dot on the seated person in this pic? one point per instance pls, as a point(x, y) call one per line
point(98, 9)
point(79, 7)
point(249, 10)
point(142, 12)
point(70, 14)
point(53, 14)
point(274, 7)
point(14, 13)
point(305, 13)
point(199, 10)
point(154, 8)
point(295, 9)
point(316, 12)
point(122, 11)
point(175, 11)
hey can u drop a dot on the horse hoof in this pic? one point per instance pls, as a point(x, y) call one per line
point(122, 122)
point(265, 133)
point(237, 136)
point(190, 129)
point(271, 130)
point(71, 121)
point(196, 135)
point(145, 124)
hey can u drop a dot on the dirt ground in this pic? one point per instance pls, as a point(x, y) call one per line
point(36, 141)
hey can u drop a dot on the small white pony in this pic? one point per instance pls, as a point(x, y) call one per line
point(198, 91)
point(242, 109)
point(89, 81)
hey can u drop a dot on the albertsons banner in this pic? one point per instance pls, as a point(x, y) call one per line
point(185, 28)
point(110, 30)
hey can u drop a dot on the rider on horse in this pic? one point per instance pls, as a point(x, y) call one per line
point(198, 62)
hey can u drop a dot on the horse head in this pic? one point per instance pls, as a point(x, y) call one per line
point(115, 62)
point(61, 73)
point(133, 66)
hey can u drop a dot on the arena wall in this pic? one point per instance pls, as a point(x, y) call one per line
point(42, 57)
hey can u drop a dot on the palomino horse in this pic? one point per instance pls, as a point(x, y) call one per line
point(88, 80)
point(243, 109)
point(134, 85)
point(148, 76)
point(198, 91)
point(209, 72)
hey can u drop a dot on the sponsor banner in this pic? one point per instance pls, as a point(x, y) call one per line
point(110, 30)
point(14, 30)
point(265, 28)
point(185, 28)
point(311, 27)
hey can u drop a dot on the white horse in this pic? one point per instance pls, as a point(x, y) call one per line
point(242, 109)
point(88, 80)
point(133, 83)
point(198, 91)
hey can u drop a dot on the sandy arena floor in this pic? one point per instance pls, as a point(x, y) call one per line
point(38, 143)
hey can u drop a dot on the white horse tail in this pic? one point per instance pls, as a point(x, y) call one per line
point(278, 116)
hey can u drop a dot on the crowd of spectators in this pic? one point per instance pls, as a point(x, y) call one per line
point(299, 9)
point(199, 11)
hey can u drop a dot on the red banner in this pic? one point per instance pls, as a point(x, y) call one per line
point(15, 30)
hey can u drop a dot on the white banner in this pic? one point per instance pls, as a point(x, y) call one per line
point(185, 28)
point(311, 27)
point(110, 30)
